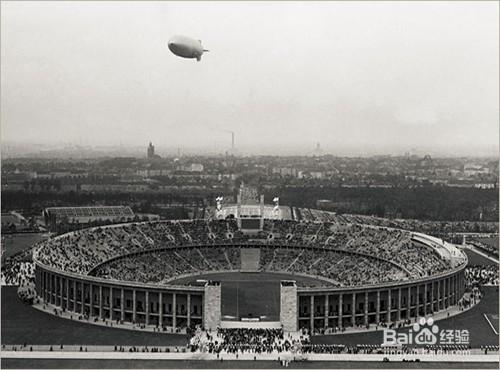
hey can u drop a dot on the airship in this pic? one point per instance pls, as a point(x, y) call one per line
point(186, 47)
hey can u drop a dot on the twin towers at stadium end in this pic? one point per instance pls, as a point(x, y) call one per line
point(334, 272)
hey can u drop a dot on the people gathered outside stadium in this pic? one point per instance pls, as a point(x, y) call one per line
point(243, 340)
point(481, 275)
point(18, 269)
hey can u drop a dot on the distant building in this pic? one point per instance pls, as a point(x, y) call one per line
point(13, 221)
point(474, 170)
point(54, 215)
point(427, 161)
point(151, 150)
point(285, 171)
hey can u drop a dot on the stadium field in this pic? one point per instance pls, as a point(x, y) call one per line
point(250, 294)
point(172, 364)
point(473, 320)
point(22, 323)
point(15, 243)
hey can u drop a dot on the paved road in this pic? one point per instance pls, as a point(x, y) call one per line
point(166, 364)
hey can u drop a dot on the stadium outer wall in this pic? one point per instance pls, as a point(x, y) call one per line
point(321, 308)
point(169, 306)
point(317, 308)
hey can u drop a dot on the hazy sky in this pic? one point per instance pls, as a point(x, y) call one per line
point(356, 77)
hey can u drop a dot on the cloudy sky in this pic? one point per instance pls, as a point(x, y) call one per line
point(357, 77)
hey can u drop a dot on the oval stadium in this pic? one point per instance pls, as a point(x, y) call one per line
point(254, 266)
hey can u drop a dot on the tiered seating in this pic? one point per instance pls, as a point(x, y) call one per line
point(157, 267)
point(82, 251)
point(344, 269)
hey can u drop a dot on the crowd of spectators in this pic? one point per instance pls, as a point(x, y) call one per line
point(343, 269)
point(436, 228)
point(161, 266)
point(257, 341)
point(18, 269)
point(343, 251)
point(243, 340)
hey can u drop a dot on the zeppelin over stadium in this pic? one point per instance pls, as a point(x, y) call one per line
point(327, 273)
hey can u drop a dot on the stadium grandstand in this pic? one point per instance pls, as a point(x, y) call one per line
point(128, 271)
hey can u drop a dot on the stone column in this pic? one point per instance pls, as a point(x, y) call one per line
point(160, 314)
point(439, 295)
point(50, 288)
point(327, 310)
point(408, 311)
point(366, 308)
point(311, 317)
point(134, 306)
point(101, 310)
point(377, 308)
point(43, 290)
point(83, 298)
point(399, 304)
point(389, 298)
point(340, 310)
point(425, 299)
point(189, 310)
point(61, 291)
point(417, 310)
point(455, 299)
point(443, 293)
point(111, 303)
point(432, 297)
point(454, 287)
point(452, 291)
point(211, 306)
point(54, 290)
point(47, 287)
point(353, 317)
point(91, 300)
point(446, 292)
point(174, 308)
point(146, 294)
point(74, 297)
point(122, 304)
point(67, 294)
point(453, 296)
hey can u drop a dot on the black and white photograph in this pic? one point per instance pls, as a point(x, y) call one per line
point(249, 184)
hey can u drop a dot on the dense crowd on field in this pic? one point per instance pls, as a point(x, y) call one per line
point(346, 253)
